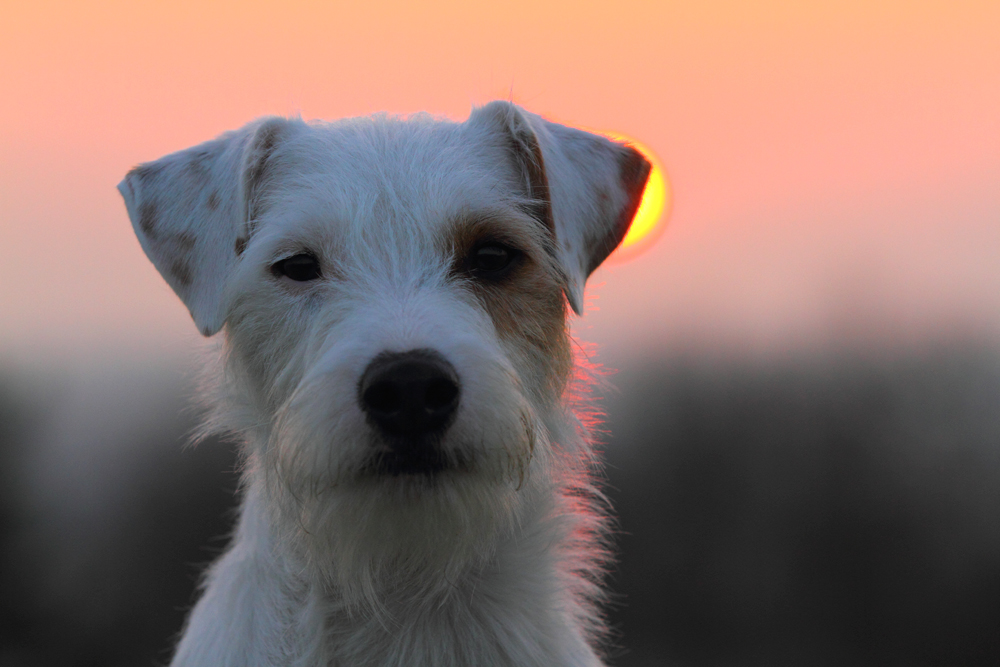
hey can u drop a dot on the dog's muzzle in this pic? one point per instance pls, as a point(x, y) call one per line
point(411, 398)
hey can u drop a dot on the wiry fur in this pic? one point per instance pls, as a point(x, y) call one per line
point(495, 560)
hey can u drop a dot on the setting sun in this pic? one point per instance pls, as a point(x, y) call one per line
point(651, 217)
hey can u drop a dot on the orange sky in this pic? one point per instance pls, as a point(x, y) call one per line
point(830, 161)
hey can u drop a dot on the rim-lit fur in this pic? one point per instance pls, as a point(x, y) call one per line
point(496, 558)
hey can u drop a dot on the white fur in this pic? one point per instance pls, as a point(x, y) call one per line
point(492, 562)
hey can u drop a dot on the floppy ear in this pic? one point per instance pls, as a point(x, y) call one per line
point(587, 188)
point(194, 211)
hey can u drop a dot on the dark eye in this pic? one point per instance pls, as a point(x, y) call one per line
point(493, 260)
point(301, 268)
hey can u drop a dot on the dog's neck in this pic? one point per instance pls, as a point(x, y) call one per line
point(531, 591)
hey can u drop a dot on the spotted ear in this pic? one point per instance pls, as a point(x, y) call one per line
point(587, 188)
point(194, 211)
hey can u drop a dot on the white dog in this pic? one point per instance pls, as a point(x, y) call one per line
point(417, 489)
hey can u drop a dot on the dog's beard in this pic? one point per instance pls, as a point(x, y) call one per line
point(367, 530)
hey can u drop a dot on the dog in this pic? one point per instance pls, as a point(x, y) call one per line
point(418, 477)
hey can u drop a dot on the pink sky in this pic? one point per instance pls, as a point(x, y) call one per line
point(834, 165)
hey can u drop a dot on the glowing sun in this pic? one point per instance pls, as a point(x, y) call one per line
point(650, 218)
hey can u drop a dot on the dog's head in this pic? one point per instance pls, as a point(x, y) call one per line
point(393, 294)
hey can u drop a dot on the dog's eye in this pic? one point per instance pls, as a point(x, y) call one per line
point(301, 268)
point(493, 260)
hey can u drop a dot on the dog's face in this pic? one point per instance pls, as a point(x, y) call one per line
point(394, 300)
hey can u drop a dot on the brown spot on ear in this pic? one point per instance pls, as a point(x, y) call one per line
point(198, 163)
point(144, 171)
point(181, 271)
point(528, 157)
point(257, 170)
point(213, 200)
point(633, 172)
point(241, 245)
point(267, 138)
point(148, 218)
point(185, 241)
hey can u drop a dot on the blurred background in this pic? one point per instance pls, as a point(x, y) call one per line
point(804, 427)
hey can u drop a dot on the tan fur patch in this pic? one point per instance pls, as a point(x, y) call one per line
point(527, 305)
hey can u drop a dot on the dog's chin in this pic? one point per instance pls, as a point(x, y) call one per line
point(402, 518)
point(414, 458)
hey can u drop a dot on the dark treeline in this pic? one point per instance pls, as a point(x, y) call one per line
point(834, 511)
point(843, 511)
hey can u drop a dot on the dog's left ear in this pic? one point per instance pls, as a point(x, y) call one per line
point(586, 187)
point(194, 211)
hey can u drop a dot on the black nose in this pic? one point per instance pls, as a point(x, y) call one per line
point(410, 394)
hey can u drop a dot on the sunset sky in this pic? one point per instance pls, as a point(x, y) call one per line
point(835, 166)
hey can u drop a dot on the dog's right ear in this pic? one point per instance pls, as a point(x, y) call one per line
point(584, 187)
point(195, 210)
